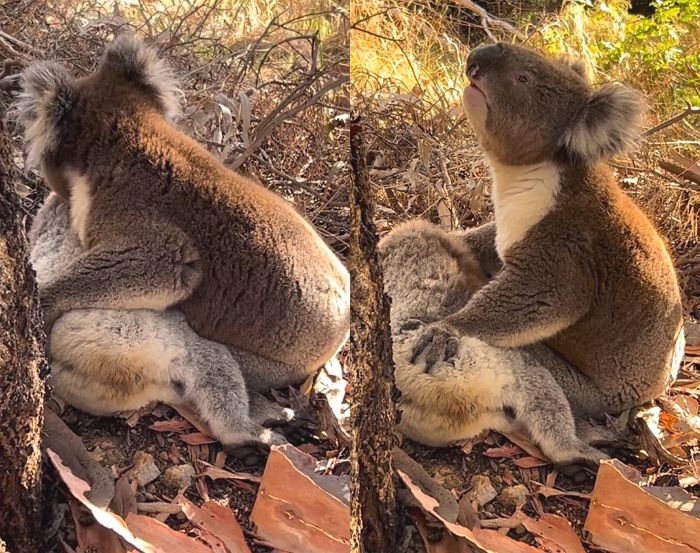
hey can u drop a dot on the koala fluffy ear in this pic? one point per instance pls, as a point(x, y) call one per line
point(129, 58)
point(47, 97)
point(576, 65)
point(609, 124)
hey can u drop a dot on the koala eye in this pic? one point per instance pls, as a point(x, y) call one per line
point(522, 78)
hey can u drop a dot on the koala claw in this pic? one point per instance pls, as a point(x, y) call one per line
point(439, 343)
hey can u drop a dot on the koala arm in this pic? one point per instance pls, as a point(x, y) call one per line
point(147, 265)
point(482, 242)
point(526, 303)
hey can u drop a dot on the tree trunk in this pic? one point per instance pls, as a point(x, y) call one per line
point(21, 359)
point(373, 412)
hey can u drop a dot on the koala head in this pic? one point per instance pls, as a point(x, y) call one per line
point(525, 108)
point(54, 104)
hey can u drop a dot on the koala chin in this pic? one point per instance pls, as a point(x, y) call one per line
point(483, 387)
point(584, 271)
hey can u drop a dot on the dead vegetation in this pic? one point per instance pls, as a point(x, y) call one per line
point(407, 65)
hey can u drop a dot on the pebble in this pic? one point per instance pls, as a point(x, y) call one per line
point(179, 476)
point(482, 490)
point(144, 469)
point(514, 496)
point(448, 478)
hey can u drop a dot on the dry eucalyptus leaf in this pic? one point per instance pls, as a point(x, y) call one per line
point(626, 518)
point(298, 510)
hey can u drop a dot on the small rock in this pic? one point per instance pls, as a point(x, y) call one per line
point(448, 478)
point(514, 496)
point(98, 454)
point(179, 476)
point(482, 490)
point(144, 469)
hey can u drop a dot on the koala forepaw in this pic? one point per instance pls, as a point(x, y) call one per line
point(438, 343)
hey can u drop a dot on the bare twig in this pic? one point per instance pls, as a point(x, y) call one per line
point(690, 110)
point(488, 20)
point(9, 51)
point(270, 123)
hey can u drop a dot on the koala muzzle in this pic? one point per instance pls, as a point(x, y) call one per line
point(482, 57)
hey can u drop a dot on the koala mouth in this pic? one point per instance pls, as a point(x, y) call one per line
point(472, 84)
point(472, 75)
point(474, 88)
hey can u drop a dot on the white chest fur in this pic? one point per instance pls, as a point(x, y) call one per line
point(80, 196)
point(522, 195)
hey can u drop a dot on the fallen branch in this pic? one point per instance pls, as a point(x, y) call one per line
point(682, 167)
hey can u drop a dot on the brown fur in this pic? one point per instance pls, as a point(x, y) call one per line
point(165, 223)
point(590, 275)
point(483, 387)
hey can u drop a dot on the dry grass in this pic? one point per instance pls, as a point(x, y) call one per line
point(407, 66)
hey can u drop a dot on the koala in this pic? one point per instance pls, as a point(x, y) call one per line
point(162, 223)
point(106, 361)
point(583, 269)
point(429, 275)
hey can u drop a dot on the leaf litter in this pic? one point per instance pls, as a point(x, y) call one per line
point(647, 502)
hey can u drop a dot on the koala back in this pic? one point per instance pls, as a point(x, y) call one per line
point(447, 272)
point(108, 144)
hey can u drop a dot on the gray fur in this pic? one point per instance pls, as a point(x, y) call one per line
point(46, 99)
point(107, 361)
point(482, 386)
point(164, 224)
point(126, 56)
point(584, 270)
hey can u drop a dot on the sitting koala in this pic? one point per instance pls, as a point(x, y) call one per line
point(429, 275)
point(105, 361)
point(584, 270)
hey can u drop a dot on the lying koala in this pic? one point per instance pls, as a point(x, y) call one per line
point(106, 361)
point(430, 274)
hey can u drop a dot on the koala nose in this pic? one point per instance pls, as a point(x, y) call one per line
point(481, 58)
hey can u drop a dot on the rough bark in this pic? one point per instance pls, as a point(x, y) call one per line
point(21, 360)
point(373, 412)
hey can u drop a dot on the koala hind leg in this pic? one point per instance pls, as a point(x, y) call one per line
point(585, 398)
point(106, 361)
point(541, 408)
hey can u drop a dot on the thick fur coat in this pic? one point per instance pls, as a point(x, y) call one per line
point(584, 270)
point(163, 223)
